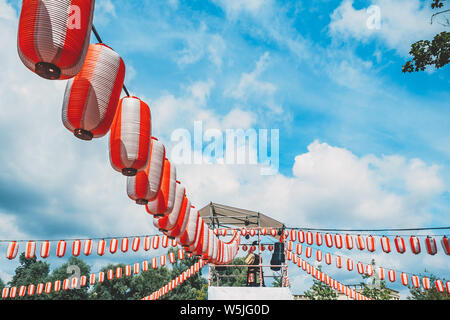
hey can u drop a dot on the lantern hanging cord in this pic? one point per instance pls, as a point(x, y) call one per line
point(100, 41)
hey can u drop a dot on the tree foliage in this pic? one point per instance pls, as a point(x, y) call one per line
point(373, 288)
point(430, 53)
point(432, 294)
point(33, 271)
point(320, 290)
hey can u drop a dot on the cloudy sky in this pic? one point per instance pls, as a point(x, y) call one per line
point(361, 145)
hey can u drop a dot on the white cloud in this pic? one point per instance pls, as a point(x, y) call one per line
point(402, 23)
point(235, 7)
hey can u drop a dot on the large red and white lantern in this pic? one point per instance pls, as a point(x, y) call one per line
point(391, 275)
point(76, 248)
point(88, 244)
point(53, 36)
point(404, 278)
point(90, 99)
point(164, 201)
point(415, 281)
point(319, 239)
point(135, 244)
point(426, 283)
point(113, 244)
point(31, 290)
point(360, 242)
point(124, 244)
point(129, 143)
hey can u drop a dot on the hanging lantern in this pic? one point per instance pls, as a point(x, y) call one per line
point(90, 99)
point(415, 281)
point(299, 249)
point(45, 249)
point(319, 239)
point(380, 273)
point(349, 241)
point(145, 266)
point(319, 255)
point(360, 268)
point(87, 250)
point(400, 244)
point(369, 270)
point(136, 268)
point(445, 245)
point(385, 244)
point(180, 254)
point(57, 286)
point(426, 283)
point(439, 286)
point(127, 270)
point(162, 260)
point(22, 291)
point(40, 289)
point(13, 292)
point(147, 243)
point(124, 245)
point(391, 275)
point(164, 241)
point(404, 278)
point(338, 262)
point(327, 258)
point(101, 247)
point(223, 232)
point(270, 247)
point(61, 249)
point(155, 242)
point(135, 244)
point(30, 249)
point(293, 234)
point(48, 287)
point(129, 144)
point(169, 222)
point(5, 292)
point(216, 232)
point(360, 242)
point(154, 263)
point(308, 252)
point(252, 232)
point(110, 274)
point(83, 281)
point(370, 243)
point(328, 240)
point(243, 232)
point(11, 251)
point(163, 203)
point(76, 248)
point(66, 284)
point(53, 36)
point(431, 245)
point(171, 257)
point(113, 245)
point(349, 264)
point(309, 238)
point(415, 244)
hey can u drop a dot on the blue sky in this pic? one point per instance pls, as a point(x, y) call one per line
point(361, 143)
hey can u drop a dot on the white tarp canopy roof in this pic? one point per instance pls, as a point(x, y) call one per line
point(219, 215)
point(249, 293)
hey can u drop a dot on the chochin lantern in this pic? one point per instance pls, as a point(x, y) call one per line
point(145, 185)
point(90, 99)
point(169, 221)
point(129, 142)
point(164, 201)
point(53, 36)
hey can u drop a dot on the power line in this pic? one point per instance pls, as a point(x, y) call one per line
point(367, 230)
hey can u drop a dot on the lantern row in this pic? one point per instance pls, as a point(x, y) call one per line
point(367, 269)
point(324, 278)
point(87, 247)
point(176, 282)
point(338, 241)
point(92, 107)
point(83, 281)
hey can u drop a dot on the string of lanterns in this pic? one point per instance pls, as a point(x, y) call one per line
point(55, 46)
point(364, 268)
point(324, 278)
point(95, 277)
point(368, 243)
point(176, 281)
